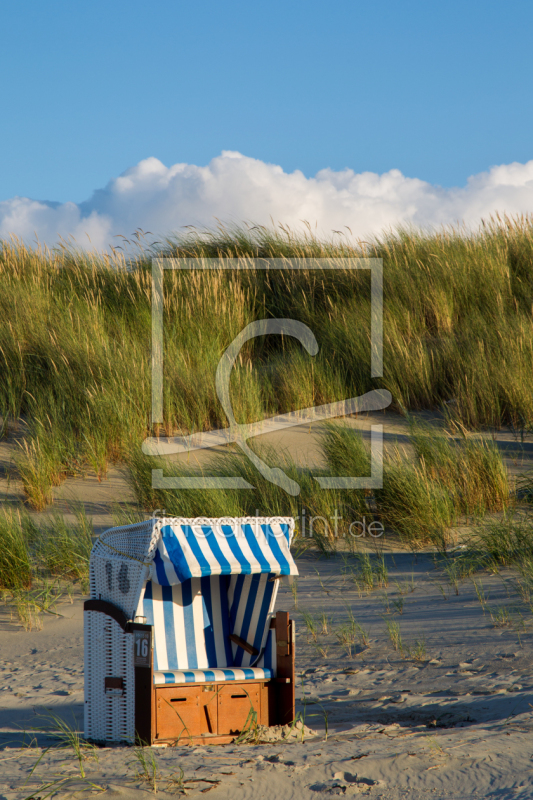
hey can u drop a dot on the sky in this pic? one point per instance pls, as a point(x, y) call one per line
point(117, 115)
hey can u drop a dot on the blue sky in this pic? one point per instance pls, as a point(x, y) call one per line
point(438, 90)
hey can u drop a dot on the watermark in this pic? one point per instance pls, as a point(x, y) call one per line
point(308, 526)
point(239, 434)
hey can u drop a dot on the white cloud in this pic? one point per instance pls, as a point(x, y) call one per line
point(235, 188)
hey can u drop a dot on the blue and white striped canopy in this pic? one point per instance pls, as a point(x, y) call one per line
point(188, 548)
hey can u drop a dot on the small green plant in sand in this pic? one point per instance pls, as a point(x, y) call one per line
point(323, 587)
point(176, 782)
point(324, 714)
point(393, 605)
point(147, 770)
point(298, 725)
point(293, 583)
point(64, 786)
point(351, 634)
point(325, 623)
point(397, 602)
point(442, 590)
point(385, 599)
point(367, 570)
point(434, 747)
point(500, 617)
point(523, 584)
point(393, 630)
point(311, 625)
point(459, 565)
point(417, 651)
point(452, 570)
point(482, 595)
point(68, 738)
point(406, 587)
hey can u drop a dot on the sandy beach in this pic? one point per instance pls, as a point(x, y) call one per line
point(421, 686)
point(451, 720)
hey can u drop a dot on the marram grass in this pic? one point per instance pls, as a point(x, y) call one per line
point(34, 553)
point(75, 339)
point(418, 501)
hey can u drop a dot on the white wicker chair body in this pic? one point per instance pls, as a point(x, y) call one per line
point(119, 569)
point(109, 711)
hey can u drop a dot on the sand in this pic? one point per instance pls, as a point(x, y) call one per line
point(454, 723)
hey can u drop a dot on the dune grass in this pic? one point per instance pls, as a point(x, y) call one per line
point(63, 550)
point(75, 343)
point(39, 563)
point(322, 516)
point(418, 501)
point(470, 469)
point(505, 542)
point(15, 561)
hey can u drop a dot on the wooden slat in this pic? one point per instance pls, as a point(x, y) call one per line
point(249, 648)
point(144, 694)
point(284, 685)
point(185, 711)
point(282, 635)
point(110, 609)
point(235, 704)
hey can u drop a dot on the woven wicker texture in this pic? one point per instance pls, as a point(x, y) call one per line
point(108, 653)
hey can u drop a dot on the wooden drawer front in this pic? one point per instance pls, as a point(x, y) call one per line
point(185, 711)
point(234, 705)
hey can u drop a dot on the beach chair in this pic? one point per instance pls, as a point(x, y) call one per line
point(182, 644)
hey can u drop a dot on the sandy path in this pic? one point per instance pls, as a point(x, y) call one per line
point(302, 442)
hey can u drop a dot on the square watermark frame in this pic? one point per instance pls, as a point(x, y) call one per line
point(372, 401)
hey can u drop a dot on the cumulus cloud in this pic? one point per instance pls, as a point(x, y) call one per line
point(234, 188)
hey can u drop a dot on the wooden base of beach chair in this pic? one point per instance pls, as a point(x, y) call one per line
point(215, 713)
point(184, 713)
point(188, 712)
point(210, 713)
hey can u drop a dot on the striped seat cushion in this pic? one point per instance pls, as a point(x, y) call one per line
point(212, 675)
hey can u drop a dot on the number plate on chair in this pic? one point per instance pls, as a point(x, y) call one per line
point(141, 648)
